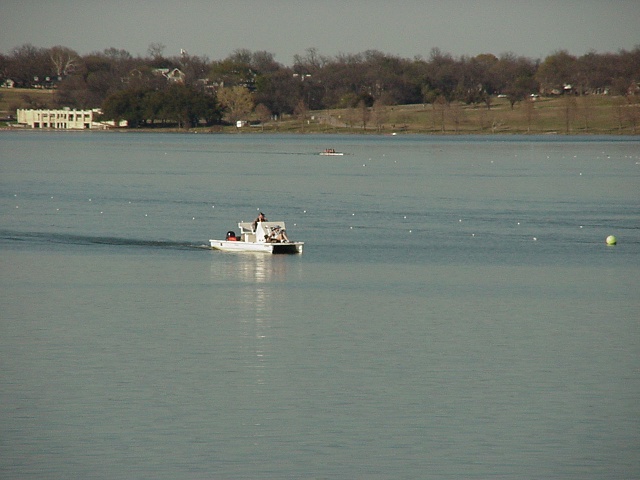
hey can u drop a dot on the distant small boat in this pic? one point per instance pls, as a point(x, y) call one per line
point(259, 239)
point(330, 152)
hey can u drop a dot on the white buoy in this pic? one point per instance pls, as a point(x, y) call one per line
point(611, 240)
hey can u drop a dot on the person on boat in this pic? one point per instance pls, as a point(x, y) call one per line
point(261, 218)
point(231, 236)
point(278, 235)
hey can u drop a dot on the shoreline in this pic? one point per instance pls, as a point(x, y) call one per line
point(247, 131)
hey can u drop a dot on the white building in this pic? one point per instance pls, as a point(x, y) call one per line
point(65, 119)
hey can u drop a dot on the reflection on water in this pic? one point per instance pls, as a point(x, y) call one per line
point(253, 280)
point(249, 268)
point(261, 268)
point(256, 307)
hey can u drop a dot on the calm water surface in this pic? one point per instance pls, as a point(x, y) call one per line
point(456, 313)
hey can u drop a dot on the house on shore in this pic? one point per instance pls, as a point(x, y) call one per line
point(174, 75)
point(64, 119)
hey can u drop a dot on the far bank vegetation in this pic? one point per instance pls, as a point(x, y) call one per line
point(369, 92)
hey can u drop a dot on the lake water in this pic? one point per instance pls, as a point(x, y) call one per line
point(456, 312)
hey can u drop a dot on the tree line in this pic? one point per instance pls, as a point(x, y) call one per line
point(188, 90)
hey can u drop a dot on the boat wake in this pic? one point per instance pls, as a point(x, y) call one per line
point(44, 238)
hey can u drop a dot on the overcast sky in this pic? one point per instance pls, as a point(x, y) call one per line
point(407, 28)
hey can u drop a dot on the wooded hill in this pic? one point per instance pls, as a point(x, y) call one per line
point(369, 91)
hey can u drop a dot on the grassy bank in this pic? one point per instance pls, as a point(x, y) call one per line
point(561, 115)
point(564, 115)
point(14, 98)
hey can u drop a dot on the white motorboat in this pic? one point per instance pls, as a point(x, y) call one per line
point(331, 152)
point(261, 239)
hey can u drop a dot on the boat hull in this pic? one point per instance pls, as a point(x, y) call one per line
point(257, 247)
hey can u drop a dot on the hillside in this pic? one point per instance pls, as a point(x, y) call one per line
point(14, 98)
point(572, 115)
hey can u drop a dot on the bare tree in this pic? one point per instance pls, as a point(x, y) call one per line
point(65, 60)
point(568, 111)
point(263, 113)
point(496, 124)
point(457, 115)
point(156, 50)
point(482, 118)
point(440, 105)
point(619, 113)
point(309, 63)
point(301, 111)
point(585, 110)
point(379, 114)
point(529, 112)
point(634, 116)
point(629, 112)
point(365, 113)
